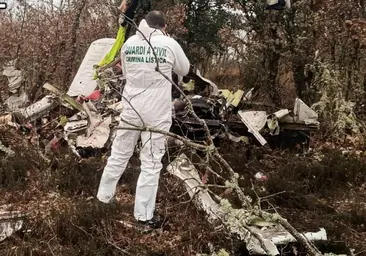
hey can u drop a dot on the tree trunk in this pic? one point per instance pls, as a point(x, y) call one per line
point(71, 59)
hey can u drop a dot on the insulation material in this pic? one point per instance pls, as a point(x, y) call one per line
point(15, 77)
point(16, 101)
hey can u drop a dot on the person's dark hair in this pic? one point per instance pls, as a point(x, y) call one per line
point(156, 19)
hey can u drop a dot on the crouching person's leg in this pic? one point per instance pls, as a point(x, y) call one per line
point(122, 149)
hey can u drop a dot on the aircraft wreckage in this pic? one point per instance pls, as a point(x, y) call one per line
point(95, 107)
point(97, 102)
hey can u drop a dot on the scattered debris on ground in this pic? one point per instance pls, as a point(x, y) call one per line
point(95, 104)
point(79, 126)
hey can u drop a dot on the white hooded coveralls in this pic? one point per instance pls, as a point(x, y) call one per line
point(148, 94)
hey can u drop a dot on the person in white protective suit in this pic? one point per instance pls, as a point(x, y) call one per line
point(147, 101)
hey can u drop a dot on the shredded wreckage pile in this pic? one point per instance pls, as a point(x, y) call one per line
point(98, 103)
point(96, 107)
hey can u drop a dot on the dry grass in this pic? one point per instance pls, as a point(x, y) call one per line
point(66, 219)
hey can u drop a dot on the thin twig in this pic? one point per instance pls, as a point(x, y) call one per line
point(119, 248)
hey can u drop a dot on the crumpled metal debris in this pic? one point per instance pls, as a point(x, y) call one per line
point(16, 101)
point(10, 222)
point(99, 105)
point(15, 76)
point(98, 137)
point(301, 114)
point(233, 219)
point(274, 119)
point(253, 129)
point(15, 80)
point(232, 98)
point(39, 109)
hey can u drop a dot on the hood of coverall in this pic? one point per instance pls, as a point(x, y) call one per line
point(147, 31)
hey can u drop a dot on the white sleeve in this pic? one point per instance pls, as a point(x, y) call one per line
point(181, 62)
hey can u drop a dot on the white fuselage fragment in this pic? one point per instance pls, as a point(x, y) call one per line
point(83, 83)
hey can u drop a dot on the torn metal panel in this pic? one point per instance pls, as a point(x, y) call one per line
point(94, 118)
point(83, 83)
point(302, 113)
point(248, 96)
point(182, 168)
point(15, 79)
point(213, 86)
point(281, 113)
point(98, 138)
point(238, 95)
point(255, 121)
point(76, 123)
